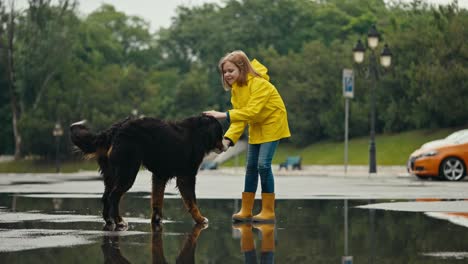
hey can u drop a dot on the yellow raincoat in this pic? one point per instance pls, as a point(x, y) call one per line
point(259, 105)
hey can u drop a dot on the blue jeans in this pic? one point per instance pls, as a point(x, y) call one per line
point(259, 158)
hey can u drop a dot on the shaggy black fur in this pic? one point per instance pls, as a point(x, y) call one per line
point(167, 149)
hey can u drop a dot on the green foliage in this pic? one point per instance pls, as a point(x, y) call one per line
point(46, 166)
point(306, 81)
point(104, 66)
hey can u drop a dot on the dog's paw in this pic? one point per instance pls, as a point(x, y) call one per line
point(156, 219)
point(121, 228)
point(109, 226)
point(121, 225)
point(202, 220)
point(201, 226)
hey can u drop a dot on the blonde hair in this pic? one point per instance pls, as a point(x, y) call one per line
point(242, 62)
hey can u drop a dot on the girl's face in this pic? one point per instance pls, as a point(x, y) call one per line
point(230, 72)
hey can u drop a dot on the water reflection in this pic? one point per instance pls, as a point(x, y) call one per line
point(112, 253)
point(111, 250)
point(247, 245)
point(346, 257)
point(306, 231)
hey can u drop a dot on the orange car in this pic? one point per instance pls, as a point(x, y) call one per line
point(445, 158)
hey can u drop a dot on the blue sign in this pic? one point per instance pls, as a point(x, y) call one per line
point(348, 83)
point(347, 260)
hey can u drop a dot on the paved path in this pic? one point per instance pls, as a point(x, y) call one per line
point(314, 182)
point(329, 170)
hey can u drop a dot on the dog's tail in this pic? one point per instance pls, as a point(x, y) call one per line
point(94, 145)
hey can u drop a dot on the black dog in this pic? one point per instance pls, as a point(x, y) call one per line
point(167, 149)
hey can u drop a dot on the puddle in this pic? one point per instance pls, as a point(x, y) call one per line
point(27, 239)
point(421, 206)
point(25, 182)
point(57, 219)
point(64, 228)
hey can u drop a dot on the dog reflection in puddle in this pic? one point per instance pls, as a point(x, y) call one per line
point(267, 234)
point(112, 254)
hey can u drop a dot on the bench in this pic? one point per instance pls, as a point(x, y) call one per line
point(209, 165)
point(293, 161)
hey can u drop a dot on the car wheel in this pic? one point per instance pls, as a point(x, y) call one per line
point(452, 169)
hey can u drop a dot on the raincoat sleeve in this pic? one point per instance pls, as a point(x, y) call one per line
point(235, 131)
point(260, 93)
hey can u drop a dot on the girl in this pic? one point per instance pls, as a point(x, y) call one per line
point(256, 103)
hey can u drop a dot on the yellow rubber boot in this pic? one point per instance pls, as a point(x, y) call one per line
point(268, 236)
point(268, 209)
point(245, 213)
point(247, 240)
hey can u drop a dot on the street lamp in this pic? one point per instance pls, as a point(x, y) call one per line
point(57, 133)
point(372, 72)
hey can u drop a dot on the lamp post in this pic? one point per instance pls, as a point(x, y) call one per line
point(57, 133)
point(373, 73)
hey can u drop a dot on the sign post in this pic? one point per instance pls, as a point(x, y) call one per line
point(348, 92)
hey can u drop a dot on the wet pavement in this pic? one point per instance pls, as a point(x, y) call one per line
point(321, 218)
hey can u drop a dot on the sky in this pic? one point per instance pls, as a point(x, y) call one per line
point(159, 12)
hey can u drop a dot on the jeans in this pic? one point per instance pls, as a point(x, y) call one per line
point(259, 158)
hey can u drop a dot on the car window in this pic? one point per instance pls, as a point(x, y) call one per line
point(462, 140)
point(458, 135)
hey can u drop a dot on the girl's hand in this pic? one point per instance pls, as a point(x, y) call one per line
point(215, 114)
point(226, 144)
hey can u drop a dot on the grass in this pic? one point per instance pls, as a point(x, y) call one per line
point(392, 149)
point(42, 166)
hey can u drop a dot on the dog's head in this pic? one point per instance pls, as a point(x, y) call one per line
point(212, 132)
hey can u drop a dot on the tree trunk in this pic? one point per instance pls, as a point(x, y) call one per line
point(11, 83)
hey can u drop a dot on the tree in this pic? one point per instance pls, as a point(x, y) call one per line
point(11, 74)
point(5, 98)
point(36, 44)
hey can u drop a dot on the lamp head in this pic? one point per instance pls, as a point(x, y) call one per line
point(58, 131)
point(358, 52)
point(373, 37)
point(386, 57)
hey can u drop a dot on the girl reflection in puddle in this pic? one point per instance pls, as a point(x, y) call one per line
point(267, 234)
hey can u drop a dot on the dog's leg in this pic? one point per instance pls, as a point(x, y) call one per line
point(106, 173)
point(114, 211)
point(125, 177)
point(186, 186)
point(157, 198)
point(108, 185)
point(105, 211)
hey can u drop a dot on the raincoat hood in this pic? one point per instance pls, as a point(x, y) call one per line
point(260, 69)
